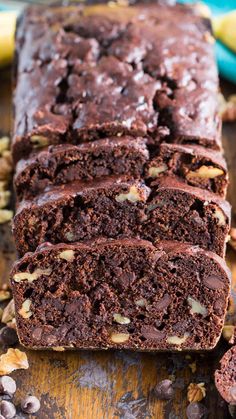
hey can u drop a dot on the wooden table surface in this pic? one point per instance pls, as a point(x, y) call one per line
point(113, 384)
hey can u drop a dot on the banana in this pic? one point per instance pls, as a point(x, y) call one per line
point(224, 28)
point(7, 31)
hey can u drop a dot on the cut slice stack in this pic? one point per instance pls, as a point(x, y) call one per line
point(121, 220)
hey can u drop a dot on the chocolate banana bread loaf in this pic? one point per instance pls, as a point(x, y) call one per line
point(64, 163)
point(143, 70)
point(225, 376)
point(116, 207)
point(120, 294)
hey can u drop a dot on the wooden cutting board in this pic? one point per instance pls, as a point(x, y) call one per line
point(112, 384)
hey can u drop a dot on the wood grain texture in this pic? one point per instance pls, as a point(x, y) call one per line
point(112, 384)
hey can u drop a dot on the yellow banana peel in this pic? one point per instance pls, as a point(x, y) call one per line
point(7, 31)
point(224, 28)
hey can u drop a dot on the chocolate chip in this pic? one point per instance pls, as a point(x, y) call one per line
point(150, 332)
point(8, 336)
point(163, 303)
point(196, 411)
point(37, 333)
point(164, 390)
point(51, 339)
point(213, 282)
point(30, 404)
point(7, 409)
point(7, 385)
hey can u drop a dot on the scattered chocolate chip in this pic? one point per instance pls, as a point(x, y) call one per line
point(7, 385)
point(8, 336)
point(150, 332)
point(164, 390)
point(7, 409)
point(196, 411)
point(213, 282)
point(163, 303)
point(30, 404)
point(37, 333)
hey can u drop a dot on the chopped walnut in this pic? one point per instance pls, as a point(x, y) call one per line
point(205, 172)
point(4, 144)
point(5, 166)
point(196, 392)
point(196, 307)
point(8, 312)
point(5, 295)
point(67, 255)
point(228, 333)
point(58, 348)
point(155, 171)
point(39, 141)
point(219, 216)
point(14, 359)
point(141, 303)
point(227, 108)
point(121, 319)
point(5, 215)
point(132, 196)
point(176, 340)
point(119, 337)
point(30, 277)
point(25, 311)
point(4, 198)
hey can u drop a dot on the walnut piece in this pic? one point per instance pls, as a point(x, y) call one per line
point(119, 337)
point(219, 216)
point(196, 392)
point(4, 144)
point(8, 312)
point(39, 141)
point(4, 198)
point(132, 196)
point(5, 166)
point(141, 303)
point(58, 348)
point(5, 295)
point(30, 277)
point(205, 172)
point(5, 215)
point(196, 307)
point(228, 333)
point(121, 319)
point(227, 108)
point(67, 255)
point(14, 359)
point(25, 309)
point(155, 171)
point(176, 340)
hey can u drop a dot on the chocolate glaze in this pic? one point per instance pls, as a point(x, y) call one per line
point(86, 73)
